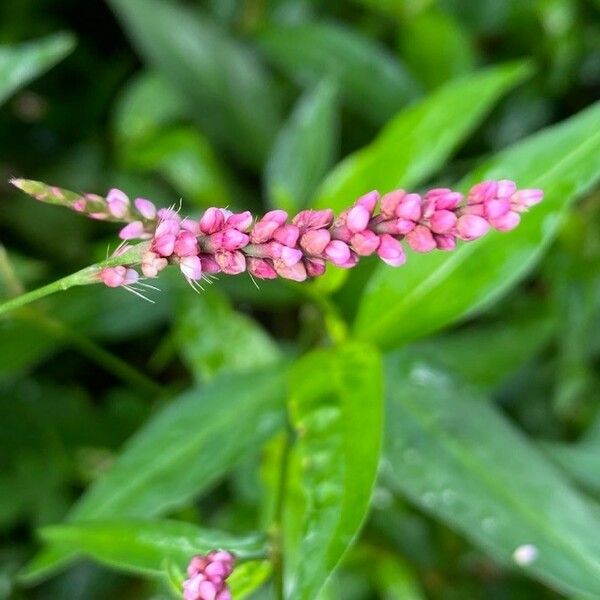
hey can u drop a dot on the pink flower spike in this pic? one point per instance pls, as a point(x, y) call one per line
point(471, 227)
point(212, 220)
point(118, 203)
point(132, 231)
point(287, 235)
point(365, 242)
point(240, 221)
point(391, 251)
point(260, 268)
point(409, 207)
point(420, 239)
point(358, 218)
point(368, 201)
point(113, 276)
point(191, 267)
point(337, 252)
point(145, 208)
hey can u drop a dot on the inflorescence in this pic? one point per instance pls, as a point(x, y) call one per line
point(273, 246)
point(207, 577)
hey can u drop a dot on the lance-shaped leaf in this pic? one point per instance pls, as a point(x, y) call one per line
point(453, 454)
point(419, 139)
point(336, 408)
point(21, 63)
point(145, 546)
point(434, 290)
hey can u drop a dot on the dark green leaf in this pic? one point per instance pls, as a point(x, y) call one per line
point(433, 290)
point(336, 408)
point(225, 89)
point(21, 63)
point(145, 546)
point(452, 453)
point(419, 139)
point(371, 80)
point(214, 338)
point(304, 149)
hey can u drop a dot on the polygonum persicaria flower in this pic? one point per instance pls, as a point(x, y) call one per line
point(207, 576)
point(274, 245)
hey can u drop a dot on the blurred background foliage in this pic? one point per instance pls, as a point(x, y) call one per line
point(493, 406)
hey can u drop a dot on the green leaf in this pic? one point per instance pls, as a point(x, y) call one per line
point(183, 450)
point(214, 338)
point(451, 453)
point(248, 577)
point(434, 290)
point(226, 90)
point(304, 149)
point(145, 546)
point(419, 139)
point(372, 81)
point(581, 460)
point(21, 63)
point(336, 408)
point(147, 103)
point(434, 46)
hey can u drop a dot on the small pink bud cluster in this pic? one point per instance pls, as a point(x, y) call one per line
point(273, 246)
point(207, 577)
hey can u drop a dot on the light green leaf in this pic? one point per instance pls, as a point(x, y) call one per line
point(336, 408)
point(183, 450)
point(304, 149)
point(372, 81)
point(21, 63)
point(434, 290)
point(225, 89)
point(214, 338)
point(451, 453)
point(419, 139)
point(248, 577)
point(145, 546)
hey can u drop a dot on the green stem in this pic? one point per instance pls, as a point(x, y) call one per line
point(84, 277)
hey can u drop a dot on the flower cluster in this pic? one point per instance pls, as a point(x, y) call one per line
point(207, 577)
point(273, 246)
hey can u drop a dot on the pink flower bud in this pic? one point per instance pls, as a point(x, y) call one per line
point(276, 216)
point(230, 239)
point(471, 227)
point(132, 231)
point(152, 264)
point(167, 227)
point(389, 203)
point(190, 225)
point(191, 267)
point(313, 219)
point(314, 241)
point(290, 256)
point(368, 201)
point(358, 218)
point(212, 220)
point(442, 221)
point(240, 221)
point(445, 241)
point(524, 199)
point(186, 244)
point(506, 188)
point(224, 595)
point(445, 199)
point(391, 251)
point(209, 264)
point(287, 235)
point(506, 222)
point(113, 276)
point(164, 244)
point(351, 262)
point(337, 252)
point(420, 239)
point(496, 208)
point(263, 231)
point(118, 203)
point(168, 213)
point(79, 205)
point(365, 243)
point(207, 591)
point(482, 192)
point(295, 273)
point(403, 226)
point(315, 267)
point(232, 263)
point(409, 207)
point(131, 277)
point(260, 268)
point(145, 208)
